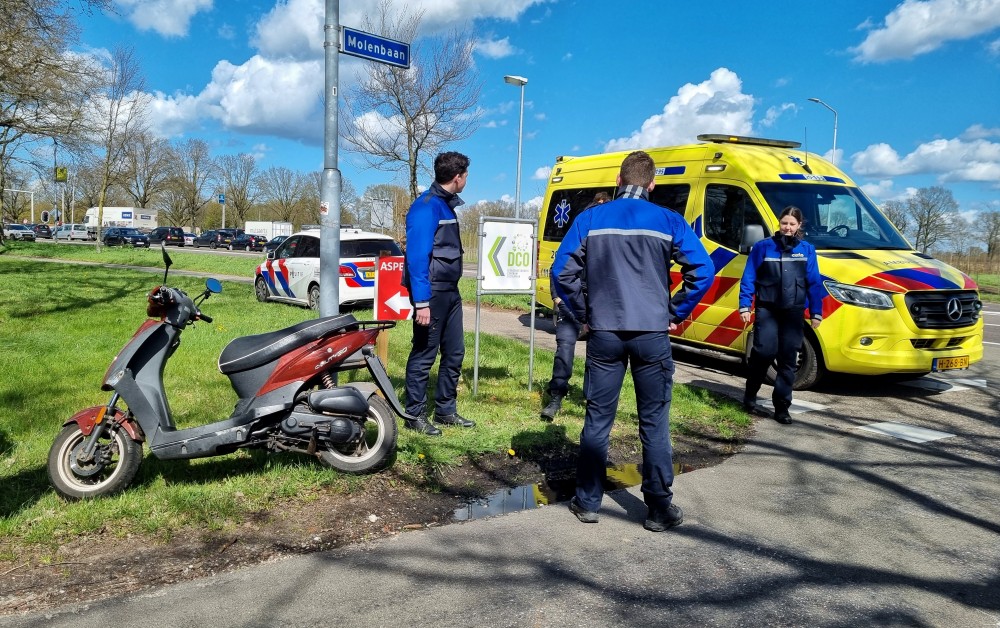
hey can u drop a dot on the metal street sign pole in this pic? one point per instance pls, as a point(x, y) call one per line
point(329, 213)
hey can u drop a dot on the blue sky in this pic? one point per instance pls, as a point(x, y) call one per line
point(916, 84)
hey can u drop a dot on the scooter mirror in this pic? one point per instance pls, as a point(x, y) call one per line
point(213, 285)
point(167, 262)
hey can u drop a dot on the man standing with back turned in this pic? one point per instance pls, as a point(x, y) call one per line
point(433, 268)
point(624, 250)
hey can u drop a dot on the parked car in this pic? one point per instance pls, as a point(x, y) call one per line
point(18, 232)
point(291, 272)
point(42, 231)
point(189, 239)
point(248, 242)
point(71, 232)
point(167, 235)
point(125, 236)
point(274, 242)
point(216, 238)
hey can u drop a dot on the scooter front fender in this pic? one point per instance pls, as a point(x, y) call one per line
point(86, 419)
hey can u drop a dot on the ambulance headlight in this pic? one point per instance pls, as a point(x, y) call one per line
point(861, 297)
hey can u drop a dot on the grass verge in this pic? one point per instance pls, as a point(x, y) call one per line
point(62, 325)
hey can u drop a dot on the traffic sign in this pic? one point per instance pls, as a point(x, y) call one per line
point(374, 47)
point(392, 299)
point(222, 199)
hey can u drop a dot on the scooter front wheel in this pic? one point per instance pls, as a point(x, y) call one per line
point(374, 451)
point(114, 465)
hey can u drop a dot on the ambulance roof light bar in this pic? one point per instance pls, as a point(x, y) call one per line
point(742, 139)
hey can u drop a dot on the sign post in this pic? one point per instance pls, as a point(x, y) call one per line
point(392, 299)
point(507, 249)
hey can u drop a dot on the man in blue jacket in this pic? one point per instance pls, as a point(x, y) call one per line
point(624, 250)
point(433, 268)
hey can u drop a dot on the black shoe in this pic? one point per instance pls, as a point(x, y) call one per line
point(453, 419)
point(586, 516)
point(552, 408)
point(751, 407)
point(782, 416)
point(420, 424)
point(661, 519)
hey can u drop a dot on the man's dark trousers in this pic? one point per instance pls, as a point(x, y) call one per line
point(652, 365)
point(777, 333)
point(445, 333)
point(567, 333)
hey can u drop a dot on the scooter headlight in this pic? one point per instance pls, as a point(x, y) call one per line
point(861, 297)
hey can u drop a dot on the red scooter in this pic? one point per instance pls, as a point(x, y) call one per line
point(288, 400)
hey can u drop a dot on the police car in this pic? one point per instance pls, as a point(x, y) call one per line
point(291, 272)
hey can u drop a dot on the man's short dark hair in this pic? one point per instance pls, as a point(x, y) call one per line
point(448, 165)
point(638, 169)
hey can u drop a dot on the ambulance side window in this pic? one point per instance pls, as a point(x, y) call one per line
point(564, 205)
point(728, 209)
point(673, 196)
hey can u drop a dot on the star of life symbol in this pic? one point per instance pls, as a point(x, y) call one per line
point(796, 160)
point(562, 213)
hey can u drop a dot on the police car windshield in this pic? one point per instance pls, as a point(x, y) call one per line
point(837, 217)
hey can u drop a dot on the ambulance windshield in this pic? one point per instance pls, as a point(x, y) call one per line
point(837, 217)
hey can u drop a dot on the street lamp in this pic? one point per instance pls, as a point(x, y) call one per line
point(820, 102)
point(519, 81)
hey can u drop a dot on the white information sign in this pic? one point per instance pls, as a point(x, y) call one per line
point(507, 256)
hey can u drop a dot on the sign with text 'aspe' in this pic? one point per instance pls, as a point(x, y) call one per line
point(392, 298)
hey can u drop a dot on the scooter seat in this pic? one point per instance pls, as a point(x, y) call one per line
point(252, 351)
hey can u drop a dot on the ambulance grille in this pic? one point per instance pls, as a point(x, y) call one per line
point(943, 309)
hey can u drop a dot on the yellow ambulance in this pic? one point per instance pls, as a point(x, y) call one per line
point(888, 308)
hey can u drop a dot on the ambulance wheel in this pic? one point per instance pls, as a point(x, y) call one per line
point(314, 297)
point(260, 289)
point(808, 370)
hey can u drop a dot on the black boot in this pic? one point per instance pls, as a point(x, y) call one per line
point(422, 425)
point(552, 408)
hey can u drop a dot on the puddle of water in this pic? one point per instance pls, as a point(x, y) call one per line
point(551, 490)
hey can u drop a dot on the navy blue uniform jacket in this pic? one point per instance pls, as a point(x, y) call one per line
point(624, 250)
point(433, 245)
point(782, 279)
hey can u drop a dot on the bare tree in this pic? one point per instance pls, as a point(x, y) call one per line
point(895, 211)
point(147, 164)
point(931, 210)
point(400, 117)
point(990, 222)
point(122, 112)
point(238, 177)
point(282, 190)
point(43, 89)
point(192, 173)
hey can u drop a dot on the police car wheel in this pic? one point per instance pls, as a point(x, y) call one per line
point(314, 297)
point(260, 289)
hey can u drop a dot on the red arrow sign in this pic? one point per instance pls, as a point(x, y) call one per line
point(392, 299)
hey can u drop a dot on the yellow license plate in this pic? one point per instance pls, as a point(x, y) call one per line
point(946, 364)
point(369, 274)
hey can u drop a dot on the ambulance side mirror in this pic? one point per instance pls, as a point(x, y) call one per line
point(752, 234)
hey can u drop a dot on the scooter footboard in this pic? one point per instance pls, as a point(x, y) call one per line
point(377, 370)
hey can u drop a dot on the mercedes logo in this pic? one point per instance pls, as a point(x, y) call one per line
point(954, 309)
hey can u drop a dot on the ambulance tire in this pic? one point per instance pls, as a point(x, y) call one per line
point(809, 370)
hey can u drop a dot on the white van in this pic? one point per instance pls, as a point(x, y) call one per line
point(70, 232)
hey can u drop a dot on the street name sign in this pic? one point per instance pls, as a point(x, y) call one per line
point(374, 47)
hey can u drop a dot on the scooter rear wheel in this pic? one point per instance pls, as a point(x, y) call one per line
point(116, 462)
point(374, 451)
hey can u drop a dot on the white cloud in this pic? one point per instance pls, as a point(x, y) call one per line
point(542, 173)
point(916, 27)
point(533, 204)
point(169, 18)
point(980, 132)
point(716, 105)
point(773, 113)
point(951, 160)
point(495, 48)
